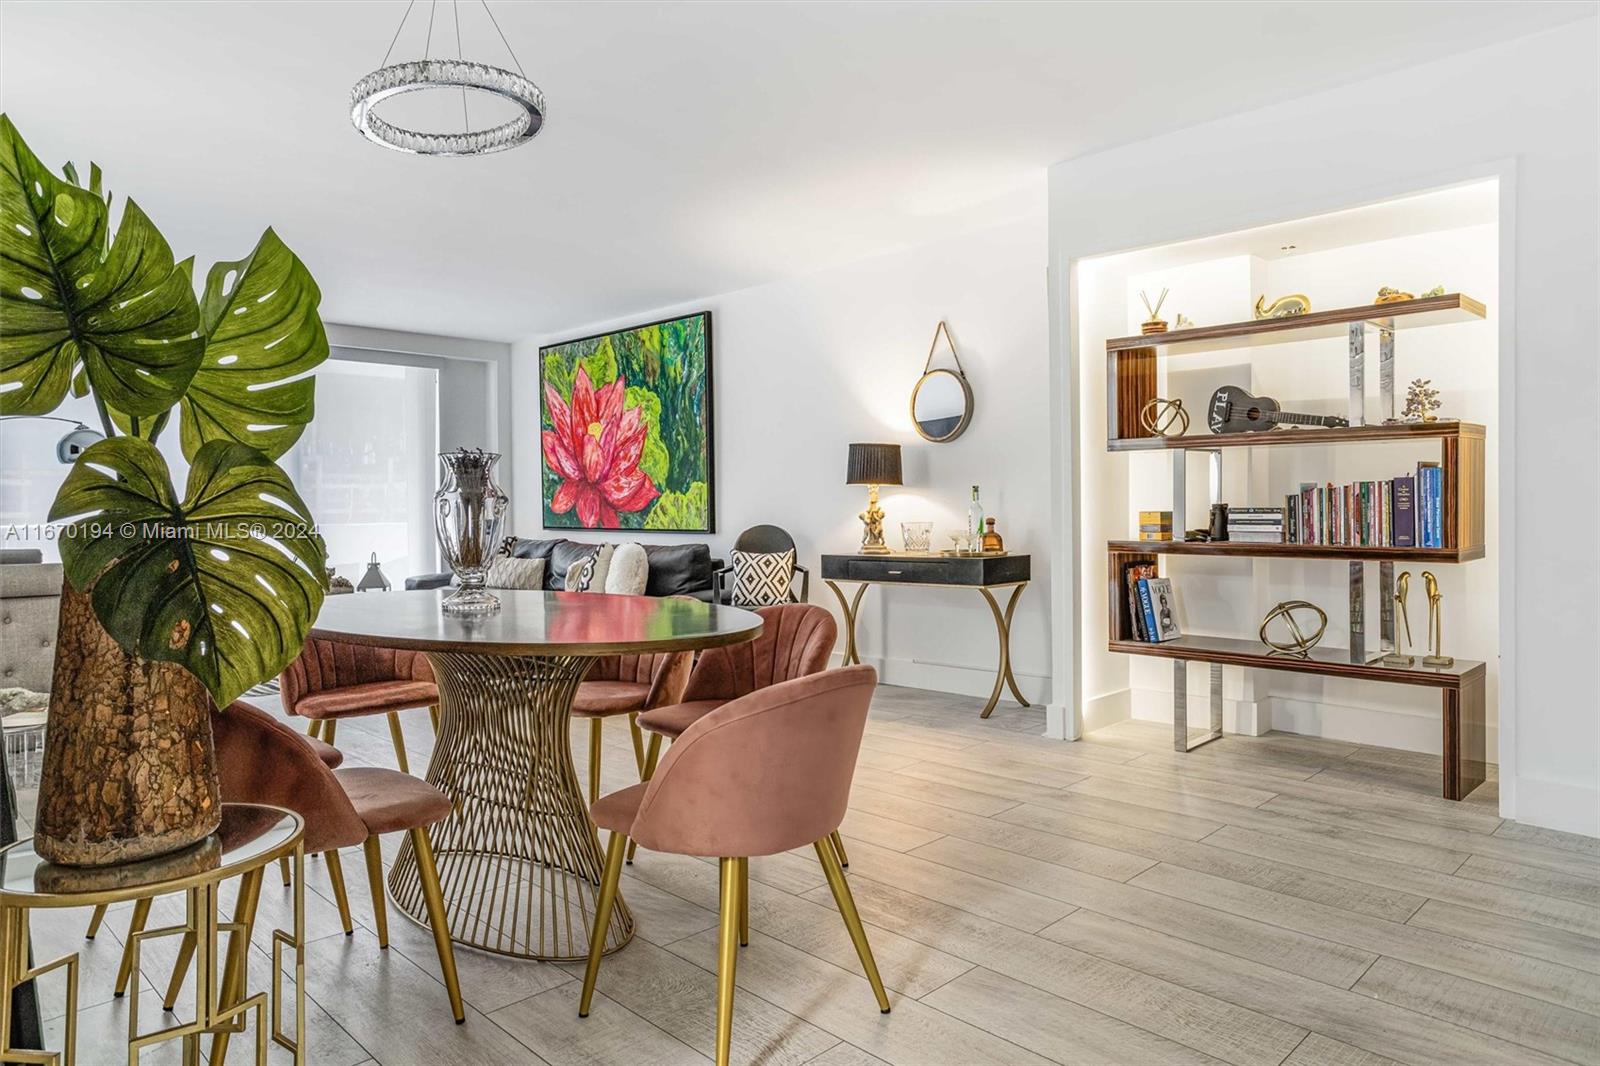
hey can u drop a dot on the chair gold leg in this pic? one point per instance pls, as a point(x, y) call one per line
point(744, 902)
point(433, 716)
point(380, 907)
point(652, 755)
point(180, 970)
point(328, 729)
point(595, 727)
point(852, 919)
point(638, 742)
point(727, 956)
point(398, 736)
point(95, 919)
point(336, 875)
point(314, 729)
point(283, 864)
point(837, 843)
point(428, 873)
point(141, 914)
point(235, 970)
point(602, 918)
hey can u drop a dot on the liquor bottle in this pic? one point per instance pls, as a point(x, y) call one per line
point(974, 521)
point(991, 539)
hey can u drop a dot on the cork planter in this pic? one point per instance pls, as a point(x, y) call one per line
point(129, 770)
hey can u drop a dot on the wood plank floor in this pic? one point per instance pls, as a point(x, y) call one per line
point(1267, 900)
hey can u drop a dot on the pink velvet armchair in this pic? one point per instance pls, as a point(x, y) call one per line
point(628, 684)
point(331, 680)
point(796, 640)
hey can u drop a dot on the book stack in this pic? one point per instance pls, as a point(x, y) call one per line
point(1155, 525)
point(1406, 512)
point(1152, 607)
point(1257, 525)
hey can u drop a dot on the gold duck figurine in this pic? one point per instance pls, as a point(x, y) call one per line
point(1284, 306)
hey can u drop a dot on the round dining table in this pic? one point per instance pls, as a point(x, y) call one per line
point(519, 858)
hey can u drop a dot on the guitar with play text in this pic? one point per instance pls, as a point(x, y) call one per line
point(1235, 411)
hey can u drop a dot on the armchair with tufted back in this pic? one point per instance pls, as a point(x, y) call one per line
point(333, 679)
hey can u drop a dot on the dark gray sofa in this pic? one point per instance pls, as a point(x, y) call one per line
point(675, 569)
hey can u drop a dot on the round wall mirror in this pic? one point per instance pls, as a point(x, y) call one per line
point(941, 405)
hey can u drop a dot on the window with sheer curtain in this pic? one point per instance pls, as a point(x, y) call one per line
point(366, 466)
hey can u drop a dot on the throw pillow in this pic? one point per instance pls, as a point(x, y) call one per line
point(630, 570)
point(762, 579)
point(506, 572)
point(589, 574)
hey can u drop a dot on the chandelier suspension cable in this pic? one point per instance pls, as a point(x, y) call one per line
point(427, 46)
point(396, 36)
point(455, 9)
point(503, 40)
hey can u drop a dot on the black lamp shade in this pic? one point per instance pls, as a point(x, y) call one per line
point(874, 464)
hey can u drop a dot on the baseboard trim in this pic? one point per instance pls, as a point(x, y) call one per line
point(1557, 805)
point(957, 680)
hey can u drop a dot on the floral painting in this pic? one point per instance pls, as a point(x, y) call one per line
point(625, 429)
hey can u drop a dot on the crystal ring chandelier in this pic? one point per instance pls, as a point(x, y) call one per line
point(442, 73)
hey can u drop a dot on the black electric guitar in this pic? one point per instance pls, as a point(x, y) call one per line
point(1235, 411)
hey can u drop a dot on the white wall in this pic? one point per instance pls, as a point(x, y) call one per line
point(804, 366)
point(1525, 111)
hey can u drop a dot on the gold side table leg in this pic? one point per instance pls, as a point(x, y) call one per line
point(1002, 622)
point(851, 655)
point(14, 972)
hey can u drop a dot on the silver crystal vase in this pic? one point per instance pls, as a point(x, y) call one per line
point(467, 512)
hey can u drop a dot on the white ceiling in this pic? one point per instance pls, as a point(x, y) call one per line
point(691, 149)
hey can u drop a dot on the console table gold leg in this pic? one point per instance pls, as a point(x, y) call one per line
point(1002, 624)
point(851, 656)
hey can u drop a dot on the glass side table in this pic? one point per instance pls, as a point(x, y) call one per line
point(250, 838)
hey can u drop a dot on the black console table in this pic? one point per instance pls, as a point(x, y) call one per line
point(985, 573)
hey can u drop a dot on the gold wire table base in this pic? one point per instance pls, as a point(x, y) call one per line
point(222, 1008)
point(519, 860)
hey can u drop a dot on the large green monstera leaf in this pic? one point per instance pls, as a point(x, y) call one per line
point(125, 313)
point(225, 582)
point(259, 316)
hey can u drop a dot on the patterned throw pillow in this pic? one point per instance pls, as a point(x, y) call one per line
point(589, 574)
point(762, 579)
point(508, 573)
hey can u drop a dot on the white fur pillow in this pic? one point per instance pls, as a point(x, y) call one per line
point(630, 570)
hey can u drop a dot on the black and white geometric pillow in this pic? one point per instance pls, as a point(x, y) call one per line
point(762, 579)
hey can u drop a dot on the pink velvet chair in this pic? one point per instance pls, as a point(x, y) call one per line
point(331, 680)
point(260, 760)
point(627, 684)
point(760, 775)
point(796, 640)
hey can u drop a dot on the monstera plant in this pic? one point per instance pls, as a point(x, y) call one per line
point(173, 600)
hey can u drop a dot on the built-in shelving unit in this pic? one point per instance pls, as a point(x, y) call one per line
point(1131, 376)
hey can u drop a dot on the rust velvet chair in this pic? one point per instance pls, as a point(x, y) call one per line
point(260, 760)
point(627, 684)
point(760, 775)
point(796, 640)
point(332, 679)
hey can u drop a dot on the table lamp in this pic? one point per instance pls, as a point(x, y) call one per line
point(873, 465)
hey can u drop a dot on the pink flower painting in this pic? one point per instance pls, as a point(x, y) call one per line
point(594, 446)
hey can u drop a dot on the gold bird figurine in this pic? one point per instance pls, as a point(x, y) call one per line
point(1284, 306)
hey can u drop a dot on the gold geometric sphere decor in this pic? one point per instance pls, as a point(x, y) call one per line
point(1159, 416)
point(1299, 643)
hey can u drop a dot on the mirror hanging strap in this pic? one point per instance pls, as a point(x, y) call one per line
point(942, 328)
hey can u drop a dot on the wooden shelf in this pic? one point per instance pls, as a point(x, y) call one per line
point(1333, 662)
point(1432, 311)
point(1300, 436)
point(1256, 550)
